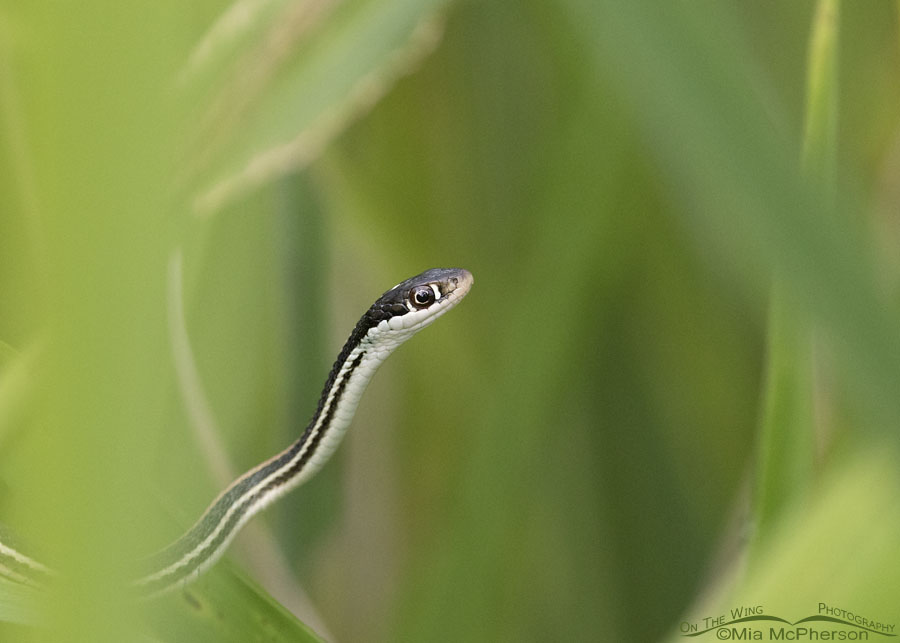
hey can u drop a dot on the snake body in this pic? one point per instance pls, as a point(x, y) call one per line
point(396, 316)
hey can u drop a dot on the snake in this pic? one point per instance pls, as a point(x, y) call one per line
point(396, 315)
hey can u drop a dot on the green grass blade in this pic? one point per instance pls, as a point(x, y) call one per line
point(753, 208)
point(820, 131)
point(18, 377)
point(225, 606)
point(297, 83)
point(19, 604)
point(842, 552)
point(786, 448)
point(786, 444)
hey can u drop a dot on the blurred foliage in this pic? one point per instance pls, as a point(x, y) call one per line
point(786, 446)
point(570, 455)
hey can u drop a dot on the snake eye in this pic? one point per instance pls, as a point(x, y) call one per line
point(421, 296)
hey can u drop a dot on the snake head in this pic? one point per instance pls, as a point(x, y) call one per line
point(413, 304)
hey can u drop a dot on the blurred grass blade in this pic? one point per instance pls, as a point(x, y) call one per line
point(304, 73)
point(694, 103)
point(820, 131)
point(225, 606)
point(220, 46)
point(99, 133)
point(786, 449)
point(786, 445)
point(256, 546)
point(18, 373)
point(18, 604)
point(842, 551)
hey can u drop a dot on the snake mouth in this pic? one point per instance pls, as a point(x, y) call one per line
point(458, 283)
point(460, 279)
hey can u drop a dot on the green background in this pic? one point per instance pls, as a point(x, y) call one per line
point(673, 390)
